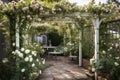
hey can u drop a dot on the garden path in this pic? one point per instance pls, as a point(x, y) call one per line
point(63, 69)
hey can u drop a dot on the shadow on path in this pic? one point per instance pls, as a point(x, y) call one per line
point(63, 69)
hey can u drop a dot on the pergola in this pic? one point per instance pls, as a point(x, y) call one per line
point(96, 23)
point(93, 12)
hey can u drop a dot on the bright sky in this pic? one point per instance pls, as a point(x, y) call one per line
point(82, 2)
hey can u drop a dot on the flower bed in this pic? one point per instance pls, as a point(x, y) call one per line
point(22, 64)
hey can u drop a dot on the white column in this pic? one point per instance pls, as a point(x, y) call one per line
point(96, 23)
point(17, 37)
point(80, 44)
point(80, 47)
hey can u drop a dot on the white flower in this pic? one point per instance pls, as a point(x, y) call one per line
point(34, 73)
point(69, 43)
point(5, 60)
point(13, 44)
point(40, 71)
point(33, 65)
point(30, 56)
point(26, 59)
point(108, 49)
point(111, 48)
point(110, 55)
point(116, 64)
point(17, 51)
point(31, 59)
point(22, 49)
point(13, 52)
point(37, 60)
point(103, 52)
point(34, 43)
point(20, 55)
point(117, 57)
point(116, 44)
point(34, 53)
point(112, 44)
point(37, 45)
point(43, 62)
point(27, 51)
point(23, 70)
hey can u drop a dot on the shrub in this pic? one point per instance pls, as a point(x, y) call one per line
point(23, 64)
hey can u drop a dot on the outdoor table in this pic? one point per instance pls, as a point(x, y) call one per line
point(49, 47)
point(55, 53)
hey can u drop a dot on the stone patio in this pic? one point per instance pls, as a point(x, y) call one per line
point(63, 69)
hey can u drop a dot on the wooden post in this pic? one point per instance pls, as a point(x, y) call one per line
point(96, 23)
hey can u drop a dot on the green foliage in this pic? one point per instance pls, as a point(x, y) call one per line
point(55, 38)
point(88, 42)
point(6, 69)
point(51, 0)
point(105, 65)
point(72, 40)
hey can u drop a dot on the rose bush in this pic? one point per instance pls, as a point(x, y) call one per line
point(28, 64)
point(23, 64)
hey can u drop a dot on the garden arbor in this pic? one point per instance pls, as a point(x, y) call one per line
point(22, 13)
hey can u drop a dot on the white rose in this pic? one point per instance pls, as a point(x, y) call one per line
point(40, 71)
point(26, 59)
point(108, 49)
point(33, 65)
point(27, 51)
point(20, 55)
point(110, 55)
point(23, 70)
point(31, 59)
point(30, 56)
point(116, 45)
point(117, 57)
point(43, 62)
point(116, 64)
point(22, 49)
point(13, 44)
point(34, 53)
point(5, 60)
point(69, 43)
point(111, 48)
point(17, 51)
point(103, 52)
point(37, 60)
point(13, 52)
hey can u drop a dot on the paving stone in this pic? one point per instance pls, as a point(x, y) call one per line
point(62, 70)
